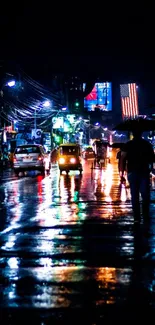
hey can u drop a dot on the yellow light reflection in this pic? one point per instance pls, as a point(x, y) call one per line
point(74, 207)
point(106, 274)
point(64, 212)
point(108, 180)
point(57, 273)
point(107, 278)
point(102, 178)
point(96, 177)
point(123, 193)
point(68, 188)
point(72, 189)
point(110, 154)
point(103, 181)
point(62, 188)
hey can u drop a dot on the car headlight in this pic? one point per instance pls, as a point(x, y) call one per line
point(61, 160)
point(73, 160)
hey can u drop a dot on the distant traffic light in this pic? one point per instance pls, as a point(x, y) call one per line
point(77, 104)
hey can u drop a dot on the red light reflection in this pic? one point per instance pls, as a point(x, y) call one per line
point(40, 190)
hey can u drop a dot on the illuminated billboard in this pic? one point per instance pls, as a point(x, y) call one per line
point(129, 100)
point(64, 124)
point(100, 97)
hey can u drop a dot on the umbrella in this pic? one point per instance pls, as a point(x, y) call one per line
point(141, 124)
point(117, 145)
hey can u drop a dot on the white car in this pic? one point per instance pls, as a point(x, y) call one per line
point(31, 157)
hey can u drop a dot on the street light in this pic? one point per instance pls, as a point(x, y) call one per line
point(46, 103)
point(11, 83)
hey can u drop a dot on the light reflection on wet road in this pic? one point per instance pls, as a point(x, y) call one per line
point(70, 242)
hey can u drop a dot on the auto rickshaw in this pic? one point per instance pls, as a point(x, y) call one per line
point(69, 157)
point(102, 153)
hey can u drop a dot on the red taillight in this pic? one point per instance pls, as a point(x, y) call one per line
point(40, 158)
point(14, 159)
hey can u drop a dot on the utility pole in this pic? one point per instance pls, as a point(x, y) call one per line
point(89, 130)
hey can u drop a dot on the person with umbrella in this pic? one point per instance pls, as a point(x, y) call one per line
point(121, 165)
point(139, 157)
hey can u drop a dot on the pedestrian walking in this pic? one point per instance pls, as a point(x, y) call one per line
point(138, 155)
point(121, 167)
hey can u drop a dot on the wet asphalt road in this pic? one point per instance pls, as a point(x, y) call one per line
point(70, 251)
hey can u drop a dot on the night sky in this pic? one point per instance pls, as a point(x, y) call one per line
point(115, 45)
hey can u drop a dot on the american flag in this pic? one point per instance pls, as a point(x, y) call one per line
point(129, 100)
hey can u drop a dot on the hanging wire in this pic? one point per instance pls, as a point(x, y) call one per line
point(28, 101)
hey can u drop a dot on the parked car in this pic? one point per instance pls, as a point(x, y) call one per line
point(88, 153)
point(31, 157)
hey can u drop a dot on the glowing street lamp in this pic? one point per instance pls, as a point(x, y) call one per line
point(46, 103)
point(11, 83)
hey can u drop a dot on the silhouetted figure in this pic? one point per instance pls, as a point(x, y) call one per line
point(139, 156)
point(121, 167)
point(54, 155)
